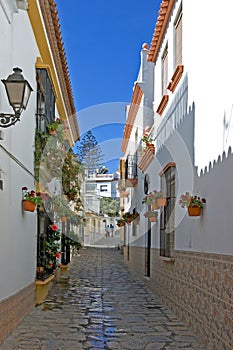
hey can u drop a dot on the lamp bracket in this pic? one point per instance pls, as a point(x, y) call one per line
point(9, 119)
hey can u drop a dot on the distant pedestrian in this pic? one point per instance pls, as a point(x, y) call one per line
point(111, 229)
point(107, 231)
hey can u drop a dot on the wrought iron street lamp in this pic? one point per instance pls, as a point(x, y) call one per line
point(18, 92)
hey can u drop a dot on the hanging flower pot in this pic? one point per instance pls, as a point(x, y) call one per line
point(151, 215)
point(161, 202)
point(193, 203)
point(136, 221)
point(52, 132)
point(31, 199)
point(121, 224)
point(28, 205)
point(153, 218)
point(154, 206)
point(194, 211)
point(151, 147)
point(63, 219)
point(71, 196)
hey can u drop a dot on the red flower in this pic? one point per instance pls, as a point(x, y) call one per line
point(24, 188)
point(57, 255)
point(54, 227)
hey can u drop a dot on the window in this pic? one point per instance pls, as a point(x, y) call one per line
point(178, 40)
point(103, 188)
point(165, 71)
point(167, 219)
point(45, 100)
point(90, 187)
point(131, 167)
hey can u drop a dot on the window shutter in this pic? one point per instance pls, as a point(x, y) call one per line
point(122, 168)
point(164, 71)
point(178, 41)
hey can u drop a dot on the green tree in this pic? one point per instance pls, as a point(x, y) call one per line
point(89, 153)
point(110, 206)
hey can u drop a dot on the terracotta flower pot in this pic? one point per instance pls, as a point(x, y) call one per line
point(151, 147)
point(63, 219)
point(52, 132)
point(161, 202)
point(28, 205)
point(71, 196)
point(121, 224)
point(194, 211)
point(154, 205)
point(136, 221)
point(153, 219)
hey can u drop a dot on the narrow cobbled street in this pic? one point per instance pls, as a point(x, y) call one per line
point(100, 304)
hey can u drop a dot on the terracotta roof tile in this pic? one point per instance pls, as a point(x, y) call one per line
point(160, 28)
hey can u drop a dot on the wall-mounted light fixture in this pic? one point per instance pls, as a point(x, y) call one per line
point(18, 92)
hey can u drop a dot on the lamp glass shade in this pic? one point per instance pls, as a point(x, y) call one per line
point(18, 90)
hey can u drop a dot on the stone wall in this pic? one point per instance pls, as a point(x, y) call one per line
point(197, 287)
point(14, 309)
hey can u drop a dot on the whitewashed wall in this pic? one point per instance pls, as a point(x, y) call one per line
point(18, 228)
point(207, 59)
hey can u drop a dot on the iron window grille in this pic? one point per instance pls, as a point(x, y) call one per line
point(131, 167)
point(45, 100)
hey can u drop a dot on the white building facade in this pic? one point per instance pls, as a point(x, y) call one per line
point(187, 261)
point(25, 43)
point(18, 228)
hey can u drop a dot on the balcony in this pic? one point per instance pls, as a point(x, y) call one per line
point(146, 159)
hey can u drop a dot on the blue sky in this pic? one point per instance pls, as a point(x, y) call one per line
point(103, 40)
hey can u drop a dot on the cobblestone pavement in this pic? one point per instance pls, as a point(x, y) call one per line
point(101, 304)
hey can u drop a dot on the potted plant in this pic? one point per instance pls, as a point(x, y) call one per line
point(147, 139)
point(53, 126)
point(71, 193)
point(152, 215)
point(156, 199)
point(136, 217)
point(120, 222)
point(193, 203)
point(128, 217)
point(161, 199)
point(31, 199)
point(149, 142)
